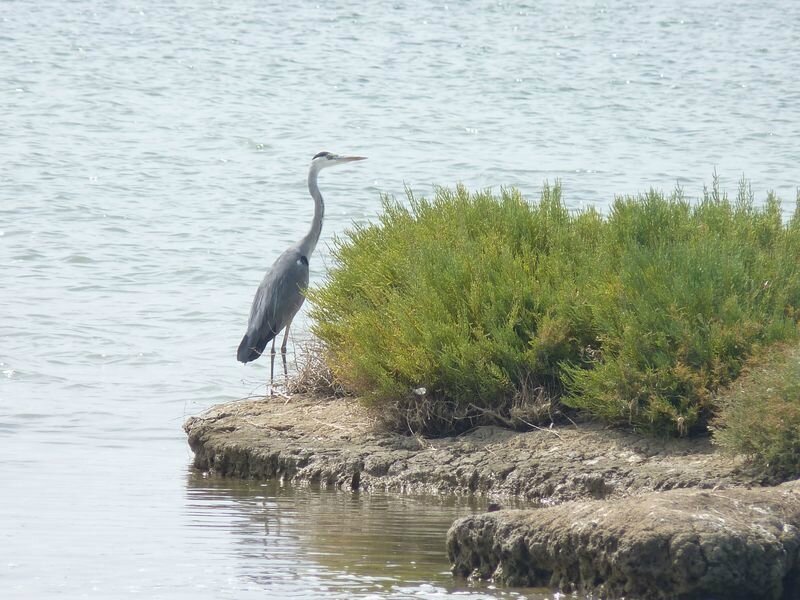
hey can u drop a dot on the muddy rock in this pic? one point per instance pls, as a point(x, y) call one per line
point(615, 513)
point(691, 543)
point(336, 443)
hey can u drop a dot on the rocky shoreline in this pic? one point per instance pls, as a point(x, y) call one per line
point(582, 477)
point(686, 543)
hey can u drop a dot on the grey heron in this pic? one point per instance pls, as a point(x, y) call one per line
point(281, 293)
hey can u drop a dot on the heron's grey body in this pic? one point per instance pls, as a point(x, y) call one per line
point(277, 301)
point(281, 293)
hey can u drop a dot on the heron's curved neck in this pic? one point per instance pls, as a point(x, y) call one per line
point(309, 242)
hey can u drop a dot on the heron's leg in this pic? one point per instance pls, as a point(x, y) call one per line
point(283, 353)
point(272, 366)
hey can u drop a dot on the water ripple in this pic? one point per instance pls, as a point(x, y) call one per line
point(154, 163)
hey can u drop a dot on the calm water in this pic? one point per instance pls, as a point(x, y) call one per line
point(152, 163)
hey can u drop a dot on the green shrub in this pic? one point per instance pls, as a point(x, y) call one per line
point(695, 288)
point(495, 307)
point(760, 413)
point(472, 297)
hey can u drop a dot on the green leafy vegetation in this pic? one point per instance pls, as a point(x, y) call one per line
point(472, 308)
point(759, 415)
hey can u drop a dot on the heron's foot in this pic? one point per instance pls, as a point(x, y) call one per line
point(278, 390)
point(285, 395)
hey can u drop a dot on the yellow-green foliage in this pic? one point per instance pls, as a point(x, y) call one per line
point(695, 287)
point(480, 300)
point(760, 413)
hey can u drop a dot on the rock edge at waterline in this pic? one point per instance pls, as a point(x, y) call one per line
point(648, 542)
point(335, 443)
point(689, 543)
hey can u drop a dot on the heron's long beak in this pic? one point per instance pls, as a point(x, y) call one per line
point(351, 158)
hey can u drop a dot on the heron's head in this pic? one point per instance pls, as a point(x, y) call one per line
point(323, 160)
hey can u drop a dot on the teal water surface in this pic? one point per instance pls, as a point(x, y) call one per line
point(153, 164)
